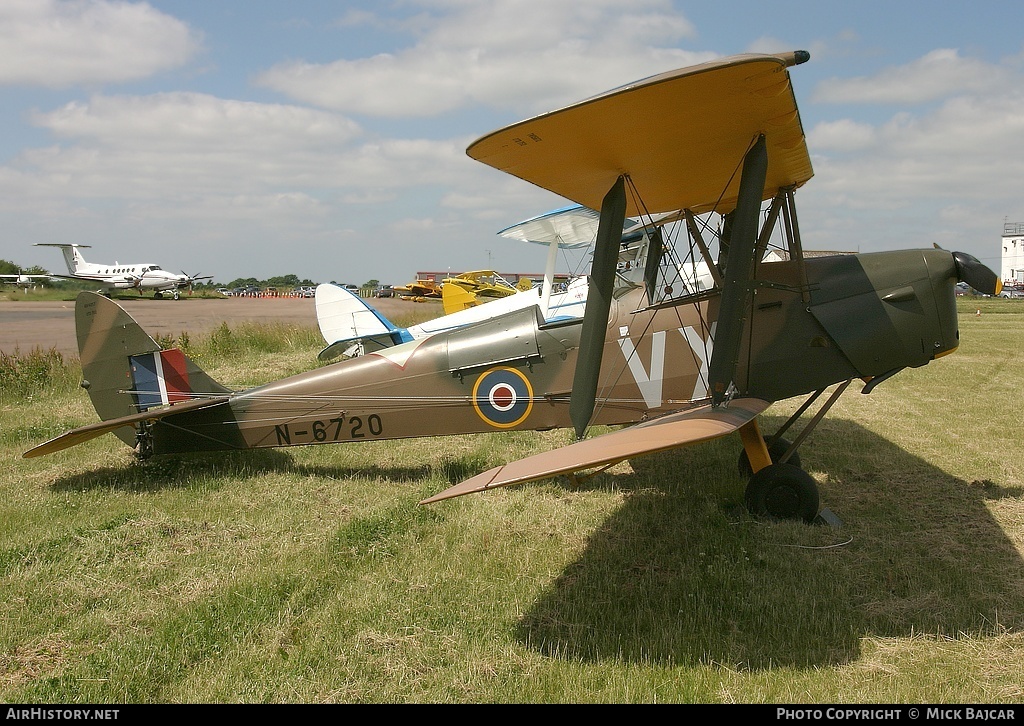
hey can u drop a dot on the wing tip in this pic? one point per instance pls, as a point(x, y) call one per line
point(480, 482)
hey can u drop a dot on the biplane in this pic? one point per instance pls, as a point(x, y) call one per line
point(710, 157)
point(351, 326)
point(419, 290)
point(467, 289)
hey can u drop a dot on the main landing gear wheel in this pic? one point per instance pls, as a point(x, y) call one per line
point(782, 491)
point(776, 450)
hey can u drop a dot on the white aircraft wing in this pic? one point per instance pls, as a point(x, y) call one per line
point(570, 227)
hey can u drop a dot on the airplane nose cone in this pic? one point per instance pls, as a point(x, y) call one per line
point(971, 270)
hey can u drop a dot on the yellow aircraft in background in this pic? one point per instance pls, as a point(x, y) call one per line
point(469, 289)
point(419, 290)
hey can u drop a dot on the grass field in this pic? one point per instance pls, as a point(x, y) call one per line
point(311, 575)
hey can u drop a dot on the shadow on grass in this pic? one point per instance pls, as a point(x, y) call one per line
point(175, 471)
point(681, 575)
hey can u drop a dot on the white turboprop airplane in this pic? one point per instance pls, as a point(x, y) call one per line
point(21, 280)
point(123, 276)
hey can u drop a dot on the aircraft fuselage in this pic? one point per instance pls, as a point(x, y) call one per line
point(515, 372)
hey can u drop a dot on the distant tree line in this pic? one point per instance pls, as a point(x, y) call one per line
point(9, 268)
point(283, 282)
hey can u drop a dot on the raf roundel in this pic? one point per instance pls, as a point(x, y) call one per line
point(503, 397)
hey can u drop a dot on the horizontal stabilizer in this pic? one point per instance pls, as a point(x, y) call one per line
point(660, 434)
point(350, 347)
point(86, 433)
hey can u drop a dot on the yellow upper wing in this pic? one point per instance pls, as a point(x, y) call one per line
point(680, 137)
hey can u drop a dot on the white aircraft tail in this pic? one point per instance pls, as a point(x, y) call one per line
point(72, 257)
point(351, 326)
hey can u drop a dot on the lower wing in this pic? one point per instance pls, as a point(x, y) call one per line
point(670, 431)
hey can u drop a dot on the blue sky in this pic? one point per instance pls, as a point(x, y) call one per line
point(327, 139)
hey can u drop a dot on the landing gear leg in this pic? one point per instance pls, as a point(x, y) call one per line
point(143, 441)
point(778, 487)
point(777, 448)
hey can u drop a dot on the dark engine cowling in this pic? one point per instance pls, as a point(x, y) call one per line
point(865, 315)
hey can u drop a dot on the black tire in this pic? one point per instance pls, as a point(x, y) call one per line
point(776, 450)
point(782, 491)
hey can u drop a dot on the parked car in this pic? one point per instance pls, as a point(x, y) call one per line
point(307, 291)
point(384, 291)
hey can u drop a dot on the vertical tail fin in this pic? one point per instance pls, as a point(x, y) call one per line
point(351, 326)
point(456, 299)
point(125, 371)
point(72, 257)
